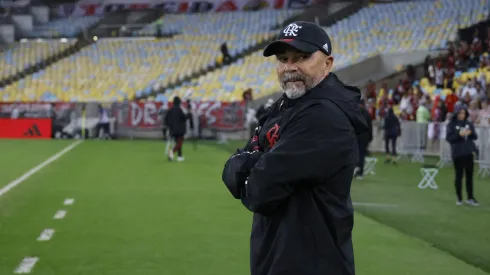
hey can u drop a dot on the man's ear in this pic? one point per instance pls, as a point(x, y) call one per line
point(328, 64)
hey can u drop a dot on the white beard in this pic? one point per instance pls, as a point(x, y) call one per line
point(293, 91)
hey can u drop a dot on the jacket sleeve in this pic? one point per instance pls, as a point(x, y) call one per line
point(314, 146)
point(452, 135)
point(236, 170)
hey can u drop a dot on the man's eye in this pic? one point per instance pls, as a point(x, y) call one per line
point(282, 58)
point(305, 56)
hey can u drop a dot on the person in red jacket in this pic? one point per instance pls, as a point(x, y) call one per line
point(450, 101)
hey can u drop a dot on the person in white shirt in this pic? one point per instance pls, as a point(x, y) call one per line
point(15, 112)
point(469, 88)
point(439, 78)
point(405, 104)
point(103, 124)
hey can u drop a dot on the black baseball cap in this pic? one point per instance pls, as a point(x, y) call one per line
point(304, 36)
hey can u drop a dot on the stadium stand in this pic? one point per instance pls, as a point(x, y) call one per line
point(66, 27)
point(382, 28)
point(445, 84)
point(377, 29)
point(229, 83)
point(117, 69)
point(17, 58)
point(108, 70)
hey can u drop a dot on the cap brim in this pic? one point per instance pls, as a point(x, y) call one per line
point(274, 47)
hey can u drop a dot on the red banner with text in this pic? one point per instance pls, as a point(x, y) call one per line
point(39, 128)
point(217, 115)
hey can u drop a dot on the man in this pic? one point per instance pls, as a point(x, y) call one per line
point(226, 54)
point(176, 123)
point(364, 140)
point(103, 124)
point(295, 173)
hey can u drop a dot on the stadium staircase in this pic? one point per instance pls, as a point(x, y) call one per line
point(42, 64)
point(326, 19)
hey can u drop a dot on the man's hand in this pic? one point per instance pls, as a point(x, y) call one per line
point(252, 158)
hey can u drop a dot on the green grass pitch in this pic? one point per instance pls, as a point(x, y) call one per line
point(136, 213)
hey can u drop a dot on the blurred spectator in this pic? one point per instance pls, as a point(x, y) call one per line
point(439, 76)
point(431, 71)
point(406, 104)
point(439, 110)
point(427, 63)
point(371, 90)
point(474, 60)
point(404, 116)
point(392, 129)
point(485, 113)
point(226, 54)
point(371, 108)
point(450, 100)
point(102, 128)
point(474, 112)
point(470, 89)
point(423, 114)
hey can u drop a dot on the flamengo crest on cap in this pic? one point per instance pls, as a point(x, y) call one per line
point(292, 30)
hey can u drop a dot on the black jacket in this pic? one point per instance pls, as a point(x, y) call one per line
point(391, 125)
point(367, 137)
point(299, 186)
point(460, 146)
point(176, 120)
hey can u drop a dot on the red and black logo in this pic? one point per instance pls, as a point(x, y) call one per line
point(273, 135)
point(33, 131)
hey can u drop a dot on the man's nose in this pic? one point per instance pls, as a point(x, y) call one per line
point(290, 65)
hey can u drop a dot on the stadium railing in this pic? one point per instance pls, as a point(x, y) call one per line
point(418, 140)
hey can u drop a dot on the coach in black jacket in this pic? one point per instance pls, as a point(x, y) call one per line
point(295, 173)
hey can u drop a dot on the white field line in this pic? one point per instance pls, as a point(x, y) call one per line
point(59, 215)
point(46, 235)
point(26, 265)
point(69, 201)
point(36, 169)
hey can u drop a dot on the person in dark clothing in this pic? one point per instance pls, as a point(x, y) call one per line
point(226, 54)
point(190, 117)
point(176, 123)
point(460, 133)
point(392, 130)
point(295, 173)
point(364, 140)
